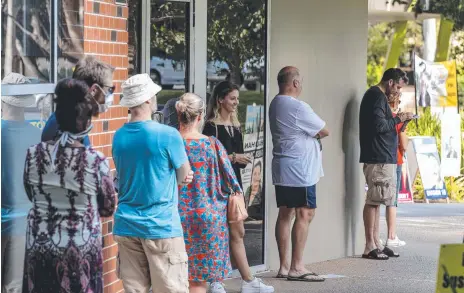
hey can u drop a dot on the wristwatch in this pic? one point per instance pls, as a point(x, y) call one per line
point(234, 158)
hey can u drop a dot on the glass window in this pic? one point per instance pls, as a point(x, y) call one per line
point(134, 29)
point(38, 114)
point(169, 47)
point(236, 52)
point(71, 36)
point(26, 46)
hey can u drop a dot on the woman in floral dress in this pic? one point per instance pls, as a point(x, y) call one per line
point(70, 188)
point(203, 203)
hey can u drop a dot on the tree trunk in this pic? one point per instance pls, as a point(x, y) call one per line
point(235, 69)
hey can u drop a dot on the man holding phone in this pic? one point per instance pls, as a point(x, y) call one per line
point(379, 141)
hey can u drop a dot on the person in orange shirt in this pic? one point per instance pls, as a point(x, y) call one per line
point(392, 239)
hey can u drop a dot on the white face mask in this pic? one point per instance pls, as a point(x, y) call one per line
point(109, 99)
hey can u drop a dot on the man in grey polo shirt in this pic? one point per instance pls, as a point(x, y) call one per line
point(296, 168)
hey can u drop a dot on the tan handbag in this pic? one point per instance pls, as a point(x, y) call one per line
point(236, 209)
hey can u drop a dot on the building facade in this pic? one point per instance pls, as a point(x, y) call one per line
point(180, 43)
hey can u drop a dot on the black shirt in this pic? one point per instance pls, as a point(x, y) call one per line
point(232, 140)
point(377, 132)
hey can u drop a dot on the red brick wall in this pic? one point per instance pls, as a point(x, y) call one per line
point(106, 37)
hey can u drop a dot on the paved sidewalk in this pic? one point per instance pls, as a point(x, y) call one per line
point(423, 227)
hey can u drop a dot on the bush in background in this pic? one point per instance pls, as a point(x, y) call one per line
point(430, 125)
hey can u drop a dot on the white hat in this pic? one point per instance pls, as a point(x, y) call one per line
point(137, 90)
point(21, 101)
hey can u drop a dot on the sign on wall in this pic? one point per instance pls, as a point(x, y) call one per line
point(428, 160)
point(451, 144)
point(252, 175)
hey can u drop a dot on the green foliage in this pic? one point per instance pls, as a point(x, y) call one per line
point(377, 48)
point(430, 125)
point(168, 30)
point(236, 32)
point(452, 9)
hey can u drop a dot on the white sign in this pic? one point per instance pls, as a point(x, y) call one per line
point(430, 80)
point(428, 160)
point(451, 144)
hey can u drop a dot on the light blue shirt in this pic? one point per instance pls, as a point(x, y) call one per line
point(146, 155)
point(297, 160)
point(17, 137)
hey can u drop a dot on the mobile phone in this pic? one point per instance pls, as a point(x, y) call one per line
point(403, 128)
point(415, 117)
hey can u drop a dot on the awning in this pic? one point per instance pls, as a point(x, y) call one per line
point(393, 16)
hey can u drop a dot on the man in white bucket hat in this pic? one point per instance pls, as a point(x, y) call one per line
point(151, 162)
point(17, 136)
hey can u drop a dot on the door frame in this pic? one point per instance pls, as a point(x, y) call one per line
point(196, 45)
point(197, 77)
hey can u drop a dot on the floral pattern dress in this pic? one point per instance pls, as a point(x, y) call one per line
point(203, 210)
point(63, 236)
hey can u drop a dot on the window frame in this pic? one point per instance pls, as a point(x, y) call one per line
point(41, 88)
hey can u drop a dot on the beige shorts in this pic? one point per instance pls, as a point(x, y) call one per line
point(381, 184)
point(161, 263)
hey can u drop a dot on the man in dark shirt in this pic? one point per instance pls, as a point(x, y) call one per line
point(379, 141)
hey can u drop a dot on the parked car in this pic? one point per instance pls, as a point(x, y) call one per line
point(169, 73)
point(166, 72)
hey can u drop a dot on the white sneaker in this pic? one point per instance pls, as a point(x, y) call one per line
point(256, 286)
point(395, 242)
point(217, 288)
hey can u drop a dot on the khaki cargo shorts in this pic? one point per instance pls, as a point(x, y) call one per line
point(381, 184)
point(158, 263)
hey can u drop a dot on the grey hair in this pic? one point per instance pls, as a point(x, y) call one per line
point(92, 70)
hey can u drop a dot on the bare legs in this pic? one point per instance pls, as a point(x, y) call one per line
point(237, 249)
point(371, 216)
point(299, 236)
point(282, 232)
point(198, 287)
point(391, 222)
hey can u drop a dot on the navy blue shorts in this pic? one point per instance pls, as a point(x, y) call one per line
point(296, 197)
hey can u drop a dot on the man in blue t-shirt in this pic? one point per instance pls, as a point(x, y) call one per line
point(98, 76)
point(151, 162)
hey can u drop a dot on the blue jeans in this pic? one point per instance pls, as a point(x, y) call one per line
point(398, 182)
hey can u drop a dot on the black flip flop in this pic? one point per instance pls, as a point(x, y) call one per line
point(304, 278)
point(389, 252)
point(281, 276)
point(375, 254)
